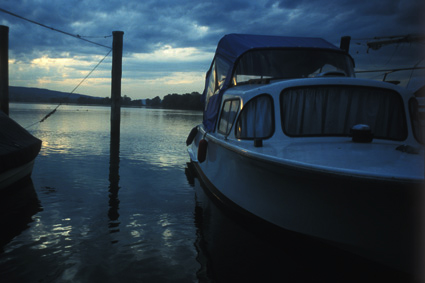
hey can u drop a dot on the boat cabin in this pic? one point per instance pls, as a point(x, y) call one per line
point(306, 107)
point(291, 138)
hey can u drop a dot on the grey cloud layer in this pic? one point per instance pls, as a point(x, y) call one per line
point(148, 23)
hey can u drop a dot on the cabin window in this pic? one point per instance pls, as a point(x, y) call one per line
point(333, 110)
point(211, 84)
point(228, 115)
point(418, 126)
point(215, 79)
point(260, 65)
point(256, 120)
point(222, 68)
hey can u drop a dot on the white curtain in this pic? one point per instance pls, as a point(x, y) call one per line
point(256, 120)
point(333, 110)
point(228, 114)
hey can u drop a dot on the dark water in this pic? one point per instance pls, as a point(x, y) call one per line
point(144, 218)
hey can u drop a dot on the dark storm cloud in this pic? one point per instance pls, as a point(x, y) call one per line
point(334, 6)
point(149, 23)
point(191, 29)
point(365, 18)
point(27, 38)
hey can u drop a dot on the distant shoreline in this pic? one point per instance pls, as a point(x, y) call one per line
point(188, 101)
point(101, 105)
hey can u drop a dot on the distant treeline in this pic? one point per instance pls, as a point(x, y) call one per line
point(190, 101)
point(187, 101)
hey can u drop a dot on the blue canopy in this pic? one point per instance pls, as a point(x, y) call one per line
point(230, 48)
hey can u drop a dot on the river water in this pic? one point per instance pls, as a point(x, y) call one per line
point(86, 218)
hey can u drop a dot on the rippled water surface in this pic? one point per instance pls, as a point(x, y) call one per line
point(144, 219)
point(142, 230)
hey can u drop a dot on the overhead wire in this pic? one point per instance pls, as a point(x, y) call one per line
point(411, 73)
point(51, 28)
point(100, 36)
point(60, 103)
point(398, 40)
point(69, 34)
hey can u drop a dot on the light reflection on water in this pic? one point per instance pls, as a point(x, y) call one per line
point(136, 225)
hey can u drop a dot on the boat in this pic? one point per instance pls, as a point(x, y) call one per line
point(18, 150)
point(290, 137)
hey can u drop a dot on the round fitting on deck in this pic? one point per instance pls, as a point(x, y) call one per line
point(361, 133)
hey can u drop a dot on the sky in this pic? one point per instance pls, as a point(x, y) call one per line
point(168, 45)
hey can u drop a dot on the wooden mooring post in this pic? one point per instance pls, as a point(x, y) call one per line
point(116, 93)
point(114, 158)
point(116, 82)
point(4, 69)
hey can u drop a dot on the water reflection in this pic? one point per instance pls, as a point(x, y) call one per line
point(235, 249)
point(18, 204)
point(75, 238)
point(114, 179)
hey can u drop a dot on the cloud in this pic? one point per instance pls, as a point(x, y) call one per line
point(166, 53)
point(164, 40)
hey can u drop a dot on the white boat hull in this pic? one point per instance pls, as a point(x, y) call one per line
point(377, 219)
point(14, 175)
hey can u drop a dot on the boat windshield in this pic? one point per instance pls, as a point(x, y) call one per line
point(290, 63)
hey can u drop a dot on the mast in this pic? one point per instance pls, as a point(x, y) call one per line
point(4, 69)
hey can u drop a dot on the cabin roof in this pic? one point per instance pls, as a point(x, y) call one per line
point(231, 46)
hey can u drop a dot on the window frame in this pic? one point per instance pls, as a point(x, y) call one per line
point(401, 102)
point(222, 113)
point(415, 120)
point(272, 115)
point(349, 66)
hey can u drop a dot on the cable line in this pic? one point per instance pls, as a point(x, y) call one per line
point(64, 32)
point(70, 34)
point(54, 110)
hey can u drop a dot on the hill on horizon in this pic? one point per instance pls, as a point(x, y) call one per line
point(32, 94)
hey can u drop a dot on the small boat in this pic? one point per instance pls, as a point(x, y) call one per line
point(18, 150)
point(291, 138)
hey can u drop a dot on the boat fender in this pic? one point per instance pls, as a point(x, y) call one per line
point(191, 136)
point(361, 133)
point(202, 150)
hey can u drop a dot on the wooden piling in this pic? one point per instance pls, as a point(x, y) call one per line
point(114, 158)
point(116, 92)
point(116, 82)
point(4, 69)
